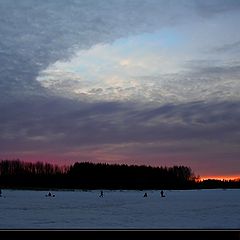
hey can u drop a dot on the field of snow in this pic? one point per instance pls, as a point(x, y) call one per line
point(180, 209)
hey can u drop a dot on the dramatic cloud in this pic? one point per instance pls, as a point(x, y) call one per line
point(145, 82)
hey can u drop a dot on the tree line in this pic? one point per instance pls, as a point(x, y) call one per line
point(87, 175)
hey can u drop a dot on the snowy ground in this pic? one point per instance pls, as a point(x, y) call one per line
point(180, 209)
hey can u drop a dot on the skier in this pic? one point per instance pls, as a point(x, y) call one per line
point(145, 194)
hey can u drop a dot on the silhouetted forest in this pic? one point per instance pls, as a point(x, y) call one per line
point(86, 175)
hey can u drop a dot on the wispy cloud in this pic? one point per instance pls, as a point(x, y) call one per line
point(233, 47)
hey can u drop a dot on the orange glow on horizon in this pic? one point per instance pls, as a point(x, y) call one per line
point(220, 177)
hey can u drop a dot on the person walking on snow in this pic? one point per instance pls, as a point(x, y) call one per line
point(101, 194)
point(162, 194)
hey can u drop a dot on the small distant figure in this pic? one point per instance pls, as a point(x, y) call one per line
point(101, 194)
point(145, 194)
point(1, 194)
point(162, 194)
point(50, 195)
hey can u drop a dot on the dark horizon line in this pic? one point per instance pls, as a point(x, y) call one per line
point(198, 178)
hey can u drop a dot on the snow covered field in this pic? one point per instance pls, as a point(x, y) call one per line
point(180, 209)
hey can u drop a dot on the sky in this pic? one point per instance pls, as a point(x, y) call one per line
point(153, 82)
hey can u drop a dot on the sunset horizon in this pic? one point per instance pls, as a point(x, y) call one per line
point(232, 177)
point(67, 163)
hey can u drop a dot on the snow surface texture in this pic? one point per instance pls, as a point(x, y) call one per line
point(180, 209)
